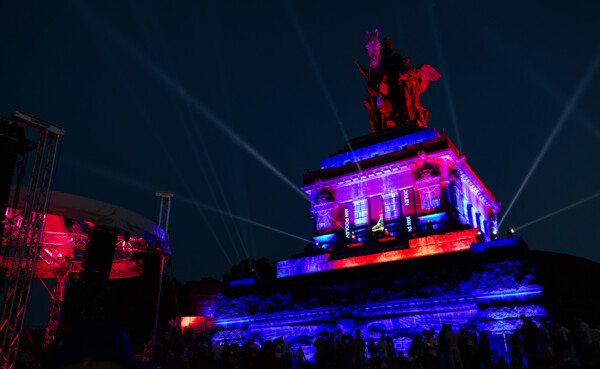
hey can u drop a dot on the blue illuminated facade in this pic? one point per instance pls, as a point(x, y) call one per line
point(468, 290)
point(403, 240)
point(378, 149)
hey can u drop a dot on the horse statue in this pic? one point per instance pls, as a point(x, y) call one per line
point(393, 86)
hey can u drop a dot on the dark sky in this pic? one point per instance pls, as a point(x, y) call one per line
point(175, 96)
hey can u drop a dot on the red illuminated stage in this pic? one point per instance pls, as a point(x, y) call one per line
point(123, 242)
point(70, 220)
point(48, 234)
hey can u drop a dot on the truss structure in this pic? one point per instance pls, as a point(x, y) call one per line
point(29, 249)
point(24, 248)
point(57, 249)
point(56, 304)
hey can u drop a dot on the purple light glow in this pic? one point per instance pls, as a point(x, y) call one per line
point(401, 190)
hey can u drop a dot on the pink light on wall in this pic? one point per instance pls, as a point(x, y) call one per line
point(418, 247)
point(197, 323)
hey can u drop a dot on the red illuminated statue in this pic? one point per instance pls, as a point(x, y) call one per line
point(394, 86)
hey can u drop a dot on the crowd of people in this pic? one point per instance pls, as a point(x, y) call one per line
point(549, 345)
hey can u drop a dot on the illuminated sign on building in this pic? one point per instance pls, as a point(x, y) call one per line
point(407, 201)
point(347, 221)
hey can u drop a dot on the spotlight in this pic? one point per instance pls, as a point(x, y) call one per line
point(494, 235)
point(480, 238)
point(509, 233)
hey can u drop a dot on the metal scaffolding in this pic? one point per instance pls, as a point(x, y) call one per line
point(163, 221)
point(25, 248)
point(165, 209)
point(58, 295)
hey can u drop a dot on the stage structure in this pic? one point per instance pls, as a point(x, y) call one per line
point(65, 238)
point(405, 236)
point(65, 243)
point(24, 246)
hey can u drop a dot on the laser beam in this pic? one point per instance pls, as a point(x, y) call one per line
point(219, 124)
point(583, 201)
point(557, 126)
point(151, 188)
point(320, 79)
point(446, 84)
point(176, 87)
point(239, 217)
point(529, 70)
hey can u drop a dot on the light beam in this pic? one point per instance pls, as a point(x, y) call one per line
point(320, 79)
point(446, 84)
point(219, 124)
point(559, 123)
point(583, 201)
point(239, 217)
point(151, 188)
point(176, 87)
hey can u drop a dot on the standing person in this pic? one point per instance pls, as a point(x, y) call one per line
point(483, 347)
point(516, 346)
point(382, 349)
point(254, 356)
point(320, 345)
point(267, 354)
point(545, 341)
point(451, 338)
point(582, 330)
point(300, 358)
point(416, 347)
point(360, 349)
point(391, 351)
point(340, 350)
point(442, 347)
point(372, 351)
point(561, 338)
point(277, 354)
point(469, 354)
point(351, 352)
point(286, 357)
point(331, 350)
point(225, 355)
point(529, 331)
point(217, 355)
point(430, 355)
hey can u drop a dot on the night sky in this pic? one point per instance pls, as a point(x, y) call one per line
point(220, 101)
